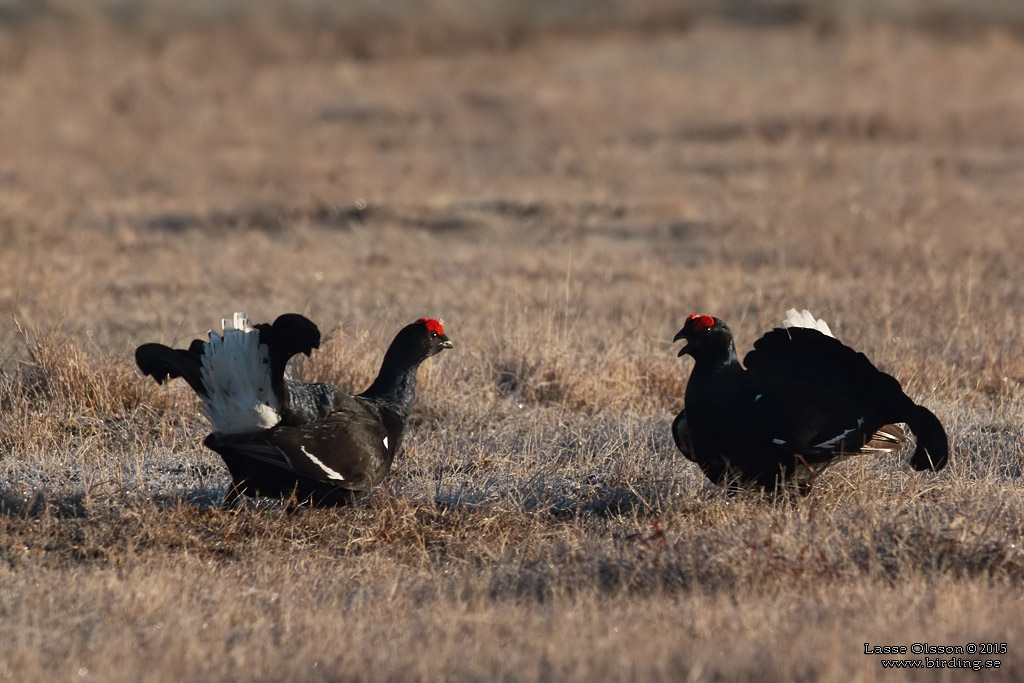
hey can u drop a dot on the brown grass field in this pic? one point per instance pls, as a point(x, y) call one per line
point(563, 195)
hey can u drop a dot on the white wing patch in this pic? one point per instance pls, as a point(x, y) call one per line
point(331, 474)
point(805, 318)
point(385, 442)
point(758, 398)
point(236, 373)
point(836, 440)
point(779, 442)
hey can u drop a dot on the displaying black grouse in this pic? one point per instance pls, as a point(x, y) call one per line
point(804, 400)
point(309, 442)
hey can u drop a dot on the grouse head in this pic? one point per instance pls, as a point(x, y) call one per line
point(420, 340)
point(706, 337)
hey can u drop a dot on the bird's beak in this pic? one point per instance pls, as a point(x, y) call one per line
point(681, 334)
point(446, 343)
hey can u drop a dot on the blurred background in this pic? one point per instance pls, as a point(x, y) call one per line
point(502, 20)
point(623, 161)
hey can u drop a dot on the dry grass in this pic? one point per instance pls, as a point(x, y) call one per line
point(563, 202)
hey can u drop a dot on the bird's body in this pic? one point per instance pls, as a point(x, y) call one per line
point(311, 442)
point(803, 400)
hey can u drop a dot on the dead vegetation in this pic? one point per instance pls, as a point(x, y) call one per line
point(563, 205)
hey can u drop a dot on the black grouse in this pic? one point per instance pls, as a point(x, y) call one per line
point(804, 400)
point(311, 443)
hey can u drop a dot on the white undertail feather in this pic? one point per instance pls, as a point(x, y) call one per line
point(236, 374)
point(805, 318)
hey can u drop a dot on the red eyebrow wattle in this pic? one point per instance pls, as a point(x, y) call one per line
point(701, 321)
point(433, 324)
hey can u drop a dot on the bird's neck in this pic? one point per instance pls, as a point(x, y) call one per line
point(395, 387)
point(716, 374)
point(718, 360)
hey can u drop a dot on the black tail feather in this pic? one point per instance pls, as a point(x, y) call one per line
point(163, 363)
point(290, 334)
point(932, 451)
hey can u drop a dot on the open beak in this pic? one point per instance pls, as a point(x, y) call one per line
point(681, 334)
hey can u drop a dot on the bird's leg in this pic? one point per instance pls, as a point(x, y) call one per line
point(804, 487)
point(293, 505)
point(230, 501)
point(815, 472)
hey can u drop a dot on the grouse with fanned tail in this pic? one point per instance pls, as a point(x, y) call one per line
point(311, 443)
point(803, 401)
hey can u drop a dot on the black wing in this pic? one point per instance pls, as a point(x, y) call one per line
point(348, 449)
point(681, 435)
point(791, 418)
point(714, 467)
